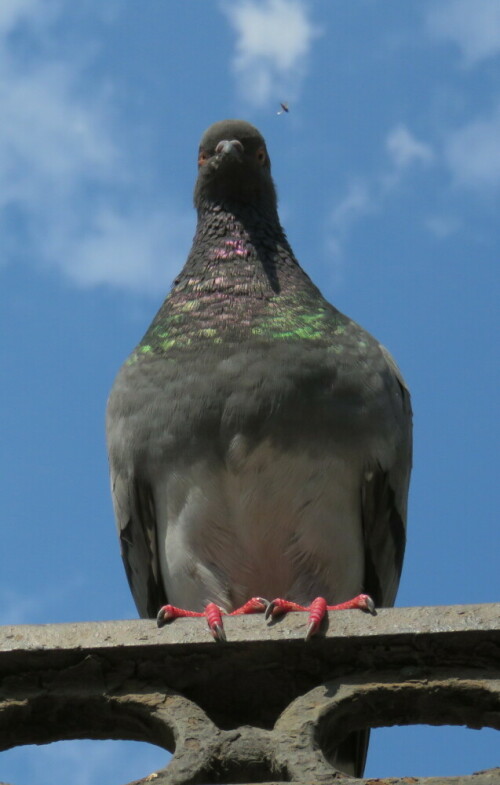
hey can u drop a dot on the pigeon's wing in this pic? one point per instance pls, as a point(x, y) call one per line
point(384, 502)
point(384, 499)
point(136, 522)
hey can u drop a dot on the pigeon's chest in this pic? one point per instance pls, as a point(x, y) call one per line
point(195, 403)
point(264, 521)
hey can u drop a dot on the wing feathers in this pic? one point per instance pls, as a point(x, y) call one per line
point(136, 520)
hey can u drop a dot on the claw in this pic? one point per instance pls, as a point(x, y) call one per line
point(317, 612)
point(218, 633)
point(367, 604)
point(165, 614)
point(312, 628)
point(279, 606)
point(214, 618)
point(275, 608)
point(270, 610)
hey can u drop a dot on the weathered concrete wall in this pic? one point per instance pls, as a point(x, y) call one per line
point(266, 706)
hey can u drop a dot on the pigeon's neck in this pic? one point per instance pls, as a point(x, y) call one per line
point(241, 280)
point(241, 253)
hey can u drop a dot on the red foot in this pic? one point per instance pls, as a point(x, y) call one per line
point(317, 609)
point(214, 619)
point(212, 613)
point(254, 605)
point(170, 612)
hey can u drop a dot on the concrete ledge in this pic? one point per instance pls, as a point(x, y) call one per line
point(183, 655)
point(263, 705)
point(389, 622)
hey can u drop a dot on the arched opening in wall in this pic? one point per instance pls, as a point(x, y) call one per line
point(81, 762)
point(430, 721)
point(426, 750)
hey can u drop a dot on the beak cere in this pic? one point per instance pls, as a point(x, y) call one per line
point(229, 147)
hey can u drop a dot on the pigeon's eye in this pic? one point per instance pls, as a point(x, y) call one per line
point(203, 157)
point(261, 156)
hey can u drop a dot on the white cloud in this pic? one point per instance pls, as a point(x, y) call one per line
point(359, 200)
point(136, 249)
point(62, 169)
point(356, 202)
point(49, 141)
point(405, 149)
point(14, 12)
point(473, 25)
point(369, 194)
point(274, 38)
point(441, 226)
point(366, 195)
point(473, 153)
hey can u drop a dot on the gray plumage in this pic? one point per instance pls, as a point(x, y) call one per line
point(259, 440)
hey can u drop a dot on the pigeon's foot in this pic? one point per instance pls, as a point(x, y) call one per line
point(214, 618)
point(278, 607)
point(317, 609)
point(213, 614)
point(170, 612)
point(254, 605)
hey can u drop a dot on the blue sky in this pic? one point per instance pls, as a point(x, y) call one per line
point(388, 172)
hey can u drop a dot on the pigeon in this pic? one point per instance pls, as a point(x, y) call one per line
point(259, 440)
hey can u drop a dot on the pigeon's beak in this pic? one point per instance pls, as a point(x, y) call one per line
point(231, 147)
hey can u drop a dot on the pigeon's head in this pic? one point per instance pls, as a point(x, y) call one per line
point(233, 167)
